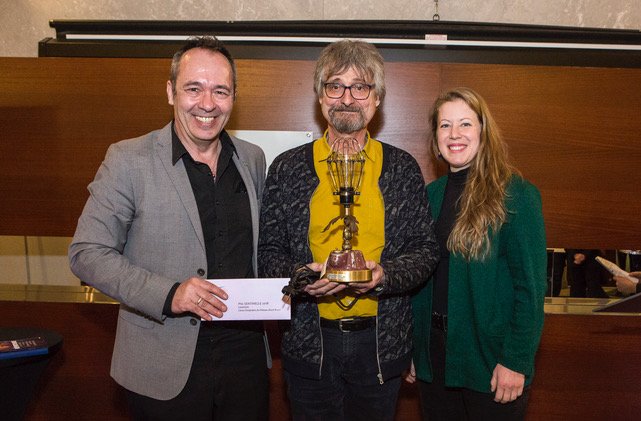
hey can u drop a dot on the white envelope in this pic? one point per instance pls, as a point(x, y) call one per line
point(254, 299)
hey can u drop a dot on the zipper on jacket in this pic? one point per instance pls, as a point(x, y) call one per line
point(320, 330)
point(378, 358)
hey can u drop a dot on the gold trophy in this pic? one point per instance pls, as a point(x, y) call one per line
point(345, 164)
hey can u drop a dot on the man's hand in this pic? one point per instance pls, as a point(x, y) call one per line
point(378, 276)
point(507, 384)
point(323, 286)
point(625, 285)
point(200, 297)
point(579, 258)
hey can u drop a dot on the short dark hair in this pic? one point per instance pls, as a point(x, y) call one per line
point(206, 42)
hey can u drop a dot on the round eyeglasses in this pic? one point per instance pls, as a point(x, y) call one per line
point(336, 90)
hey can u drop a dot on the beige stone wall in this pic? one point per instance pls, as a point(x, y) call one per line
point(25, 22)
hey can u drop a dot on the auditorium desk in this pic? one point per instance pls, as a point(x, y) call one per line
point(587, 365)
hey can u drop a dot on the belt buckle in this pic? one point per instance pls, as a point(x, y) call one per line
point(340, 325)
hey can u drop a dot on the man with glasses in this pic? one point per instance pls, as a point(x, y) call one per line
point(347, 344)
point(167, 210)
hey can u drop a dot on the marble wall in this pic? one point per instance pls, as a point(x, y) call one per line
point(25, 22)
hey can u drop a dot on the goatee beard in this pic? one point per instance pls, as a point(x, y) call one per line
point(349, 122)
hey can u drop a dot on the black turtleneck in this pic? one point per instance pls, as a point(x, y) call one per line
point(444, 224)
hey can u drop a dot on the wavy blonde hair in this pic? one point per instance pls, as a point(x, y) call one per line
point(482, 203)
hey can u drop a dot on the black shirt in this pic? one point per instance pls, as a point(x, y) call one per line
point(225, 214)
point(223, 206)
point(443, 228)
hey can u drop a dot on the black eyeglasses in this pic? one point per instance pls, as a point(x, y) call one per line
point(336, 90)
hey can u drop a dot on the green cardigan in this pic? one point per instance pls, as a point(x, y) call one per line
point(495, 306)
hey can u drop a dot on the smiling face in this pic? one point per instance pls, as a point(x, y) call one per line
point(346, 115)
point(202, 97)
point(458, 134)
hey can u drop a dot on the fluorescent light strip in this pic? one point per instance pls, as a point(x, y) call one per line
point(397, 41)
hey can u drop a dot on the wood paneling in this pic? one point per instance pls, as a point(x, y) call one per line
point(572, 131)
point(585, 367)
point(58, 118)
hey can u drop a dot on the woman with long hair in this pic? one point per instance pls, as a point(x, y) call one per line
point(478, 321)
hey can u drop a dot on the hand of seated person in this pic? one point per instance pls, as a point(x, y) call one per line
point(625, 285)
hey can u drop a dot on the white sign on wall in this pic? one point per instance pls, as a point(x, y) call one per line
point(273, 142)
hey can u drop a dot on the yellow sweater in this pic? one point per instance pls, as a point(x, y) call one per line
point(368, 209)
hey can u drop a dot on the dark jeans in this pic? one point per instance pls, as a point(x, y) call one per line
point(228, 381)
point(441, 403)
point(349, 388)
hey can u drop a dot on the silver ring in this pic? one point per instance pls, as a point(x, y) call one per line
point(200, 300)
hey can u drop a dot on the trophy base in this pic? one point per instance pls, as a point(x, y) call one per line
point(347, 266)
point(347, 276)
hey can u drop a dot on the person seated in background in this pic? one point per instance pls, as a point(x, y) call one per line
point(585, 274)
point(626, 286)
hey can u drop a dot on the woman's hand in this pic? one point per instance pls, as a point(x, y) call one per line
point(507, 384)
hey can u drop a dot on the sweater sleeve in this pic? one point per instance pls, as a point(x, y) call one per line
point(275, 258)
point(411, 250)
point(526, 258)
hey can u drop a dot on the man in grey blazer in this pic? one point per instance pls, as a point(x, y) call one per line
point(167, 210)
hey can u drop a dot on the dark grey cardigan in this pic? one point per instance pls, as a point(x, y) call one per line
point(409, 255)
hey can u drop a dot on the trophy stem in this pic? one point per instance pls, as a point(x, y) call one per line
point(347, 232)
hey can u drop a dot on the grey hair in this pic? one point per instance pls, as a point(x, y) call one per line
point(342, 55)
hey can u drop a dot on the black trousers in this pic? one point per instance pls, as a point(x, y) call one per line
point(228, 381)
point(585, 278)
point(441, 403)
point(555, 266)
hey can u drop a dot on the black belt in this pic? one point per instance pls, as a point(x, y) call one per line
point(351, 324)
point(439, 321)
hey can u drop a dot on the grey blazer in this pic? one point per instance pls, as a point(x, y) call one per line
point(140, 233)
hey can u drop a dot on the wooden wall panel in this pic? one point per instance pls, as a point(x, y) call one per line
point(58, 118)
point(59, 115)
point(585, 368)
point(572, 131)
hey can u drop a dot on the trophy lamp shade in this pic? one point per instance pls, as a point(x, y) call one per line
point(345, 164)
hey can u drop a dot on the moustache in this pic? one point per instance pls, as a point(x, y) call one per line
point(344, 108)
